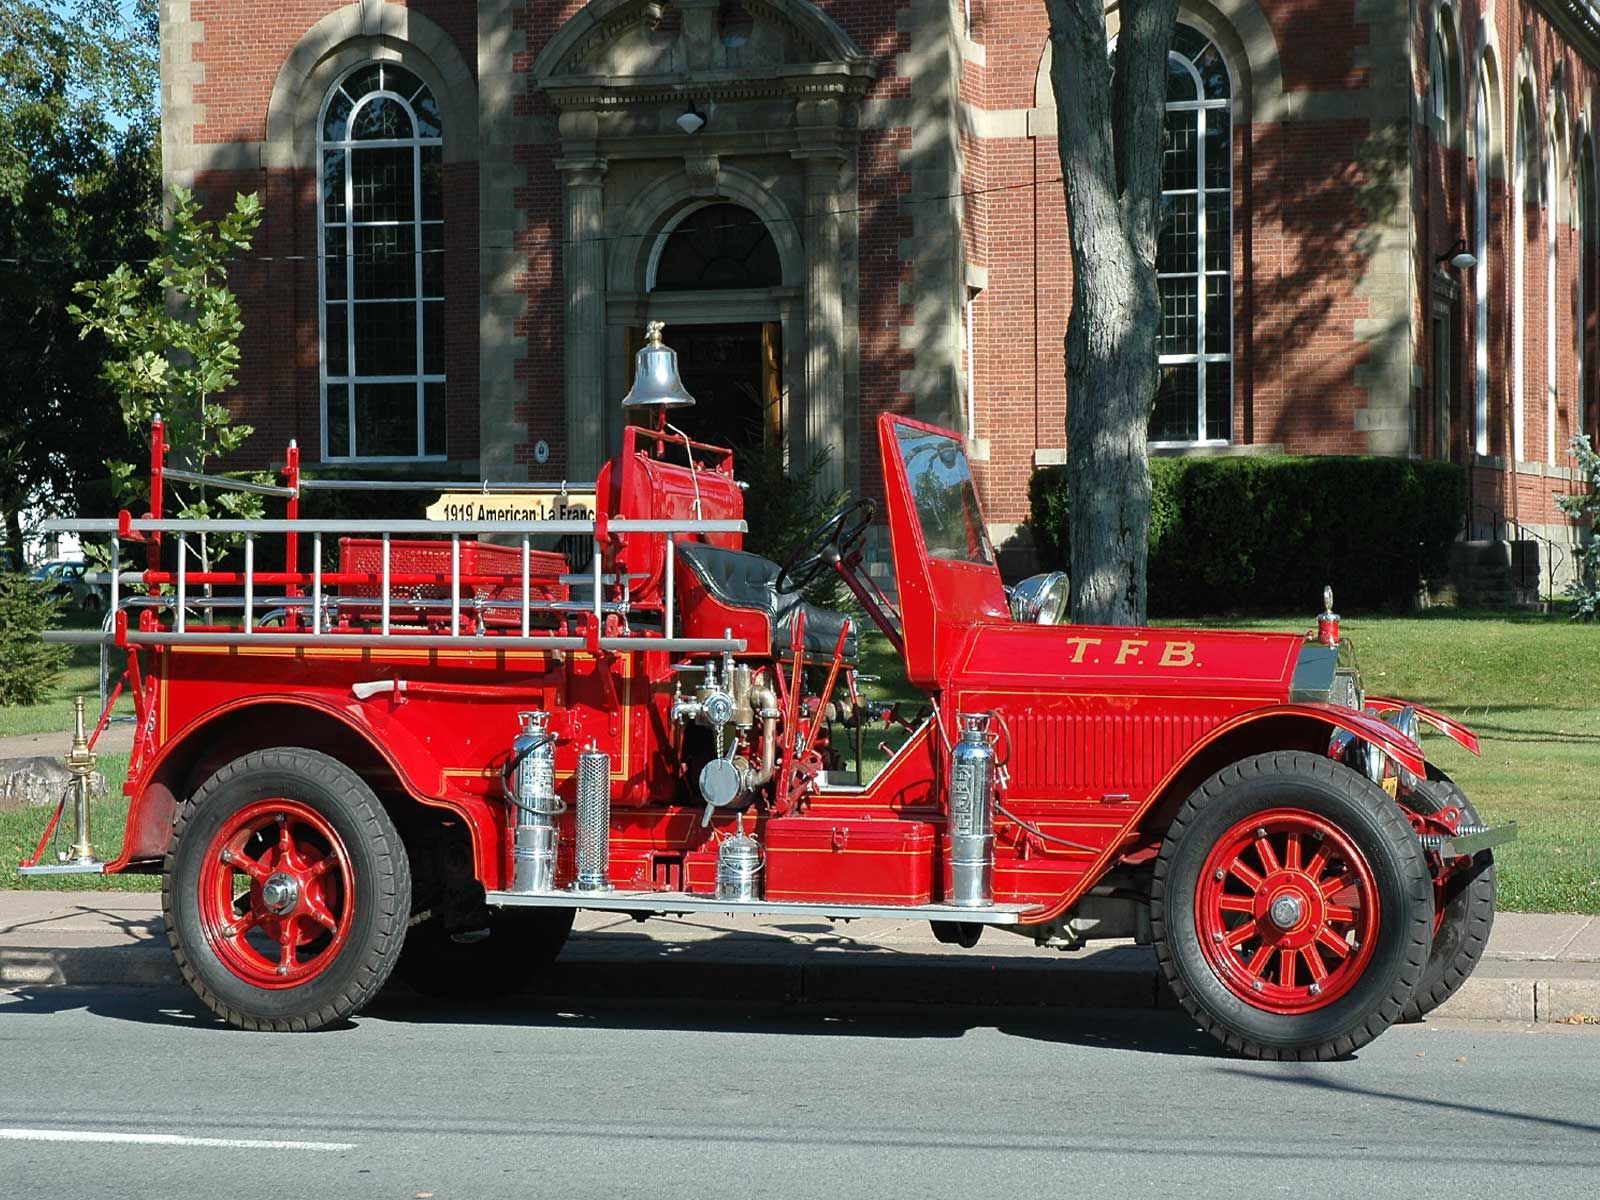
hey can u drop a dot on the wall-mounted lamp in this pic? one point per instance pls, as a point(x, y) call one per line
point(690, 122)
point(1458, 256)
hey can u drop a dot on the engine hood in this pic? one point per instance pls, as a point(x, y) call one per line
point(1109, 659)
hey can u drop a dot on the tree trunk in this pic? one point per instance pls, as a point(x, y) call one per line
point(1110, 140)
point(14, 539)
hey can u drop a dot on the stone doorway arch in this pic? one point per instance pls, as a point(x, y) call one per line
point(775, 85)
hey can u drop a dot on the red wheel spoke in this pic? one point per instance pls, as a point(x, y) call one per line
point(1333, 942)
point(1314, 963)
point(245, 923)
point(1339, 914)
point(1237, 904)
point(1291, 853)
point(1286, 960)
point(1318, 861)
point(1245, 875)
point(324, 864)
point(319, 913)
point(1269, 856)
point(286, 944)
point(1258, 961)
point(1243, 934)
point(285, 843)
point(1332, 887)
point(239, 861)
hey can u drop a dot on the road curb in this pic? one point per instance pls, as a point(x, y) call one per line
point(839, 979)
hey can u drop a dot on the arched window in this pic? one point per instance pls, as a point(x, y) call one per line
point(381, 230)
point(1555, 164)
point(1482, 116)
point(1444, 87)
point(1588, 222)
point(1194, 254)
point(713, 247)
point(1525, 191)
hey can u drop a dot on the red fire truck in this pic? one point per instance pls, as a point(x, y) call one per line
point(423, 745)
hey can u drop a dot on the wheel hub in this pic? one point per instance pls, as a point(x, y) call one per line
point(1287, 911)
point(280, 893)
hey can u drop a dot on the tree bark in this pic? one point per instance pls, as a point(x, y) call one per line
point(1109, 134)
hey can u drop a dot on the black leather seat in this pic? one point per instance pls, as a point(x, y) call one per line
point(747, 581)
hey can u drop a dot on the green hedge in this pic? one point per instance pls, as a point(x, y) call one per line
point(1266, 532)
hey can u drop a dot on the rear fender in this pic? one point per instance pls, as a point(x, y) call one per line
point(394, 761)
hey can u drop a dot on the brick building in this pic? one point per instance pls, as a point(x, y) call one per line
point(846, 206)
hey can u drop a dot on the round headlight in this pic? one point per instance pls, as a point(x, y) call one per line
point(1042, 599)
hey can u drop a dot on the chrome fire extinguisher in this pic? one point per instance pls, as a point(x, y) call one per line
point(530, 784)
point(969, 861)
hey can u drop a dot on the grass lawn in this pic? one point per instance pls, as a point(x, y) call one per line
point(1524, 683)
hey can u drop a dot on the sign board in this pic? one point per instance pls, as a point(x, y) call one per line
point(475, 506)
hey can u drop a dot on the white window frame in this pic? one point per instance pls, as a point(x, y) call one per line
point(1522, 178)
point(1481, 139)
point(1202, 360)
point(1551, 383)
point(349, 381)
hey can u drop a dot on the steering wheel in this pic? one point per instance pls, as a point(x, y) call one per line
point(828, 543)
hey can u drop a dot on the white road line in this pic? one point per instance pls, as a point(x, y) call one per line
point(161, 1139)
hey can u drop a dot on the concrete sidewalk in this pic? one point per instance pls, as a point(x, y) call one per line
point(1538, 967)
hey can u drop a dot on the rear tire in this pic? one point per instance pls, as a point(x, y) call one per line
point(511, 954)
point(286, 891)
point(1465, 907)
point(1291, 908)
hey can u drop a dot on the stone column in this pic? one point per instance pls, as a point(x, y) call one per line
point(823, 420)
point(583, 263)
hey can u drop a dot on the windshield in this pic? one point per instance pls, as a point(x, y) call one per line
point(945, 500)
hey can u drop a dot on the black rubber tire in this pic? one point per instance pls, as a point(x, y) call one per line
point(1468, 907)
point(380, 873)
point(514, 952)
point(1366, 815)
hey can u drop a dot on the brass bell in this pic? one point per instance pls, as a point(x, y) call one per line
point(655, 375)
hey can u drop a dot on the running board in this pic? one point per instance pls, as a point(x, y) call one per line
point(684, 902)
point(66, 868)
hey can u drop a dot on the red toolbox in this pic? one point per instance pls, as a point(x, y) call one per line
point(856, 860)
point(417, 556)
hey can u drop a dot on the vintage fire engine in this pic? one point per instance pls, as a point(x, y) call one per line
point(423, 745)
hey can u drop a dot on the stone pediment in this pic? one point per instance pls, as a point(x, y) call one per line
point(633, 43)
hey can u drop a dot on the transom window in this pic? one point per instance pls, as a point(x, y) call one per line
point(714, 246)
point(1194, 253)
point(381, 229)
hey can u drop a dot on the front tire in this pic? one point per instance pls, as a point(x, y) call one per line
point(286, 891)
point(1291, 908)
point(1464, 906)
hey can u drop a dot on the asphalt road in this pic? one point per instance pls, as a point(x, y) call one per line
point(140, 1096)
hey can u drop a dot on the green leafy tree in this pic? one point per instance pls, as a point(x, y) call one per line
point(1585, 586)
point(28, 667)
point(79, 185)
point(173, 326)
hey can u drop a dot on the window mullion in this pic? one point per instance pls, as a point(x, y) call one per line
point(350, 298)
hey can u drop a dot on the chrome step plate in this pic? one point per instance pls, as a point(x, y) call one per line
point(684, 902)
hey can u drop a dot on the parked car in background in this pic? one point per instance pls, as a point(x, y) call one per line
point(71, 585)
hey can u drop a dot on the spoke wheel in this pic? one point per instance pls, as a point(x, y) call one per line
point(1287, 911)
point(1291, 907)
point(276, 898)
point(286, 891)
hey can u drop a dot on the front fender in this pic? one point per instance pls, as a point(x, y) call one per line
point(1363, 725)
point(1445, 725)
